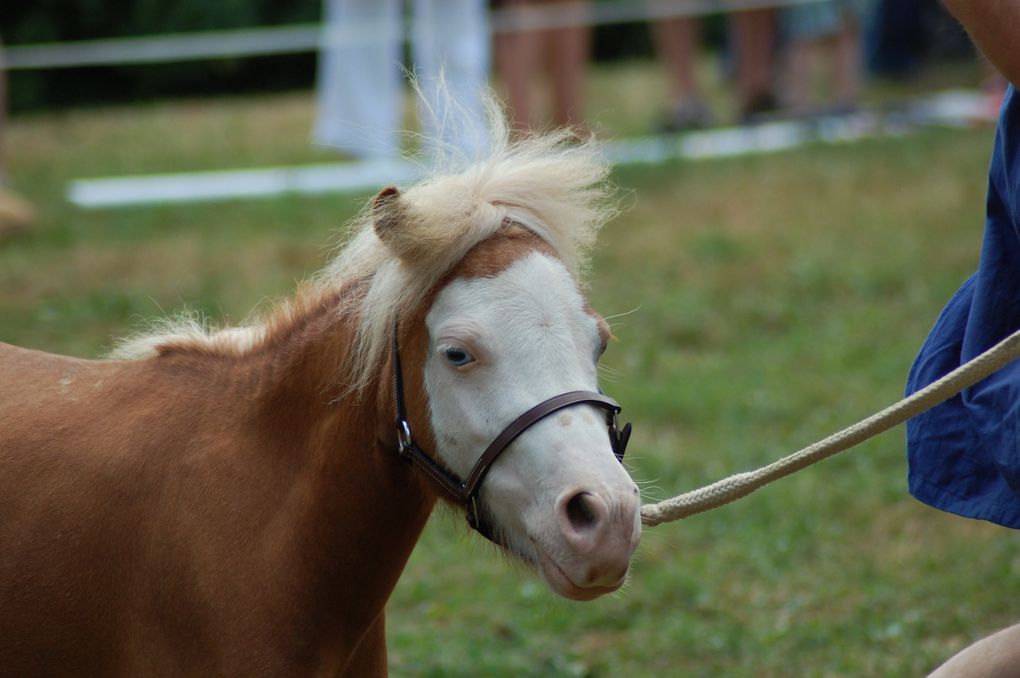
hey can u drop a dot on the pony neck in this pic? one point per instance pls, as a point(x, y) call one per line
point(362, 508)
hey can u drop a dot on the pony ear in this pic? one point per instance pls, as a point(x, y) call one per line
point(397, 226)
point(415, 237)
point(386, 214)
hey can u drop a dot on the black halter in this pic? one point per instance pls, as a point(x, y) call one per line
point(466, 492)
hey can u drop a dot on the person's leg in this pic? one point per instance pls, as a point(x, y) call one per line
point(359, 92)
point(676, 41)
point(3, 116)
point(799, 60)
point(518, 55)
point(848, 63)
point(804, 33)
point(754, 34)
point(570, 49)
point(16, 214)
point(450, 43)
point(997, 656)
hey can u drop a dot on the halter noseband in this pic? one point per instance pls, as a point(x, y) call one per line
point(466, 492)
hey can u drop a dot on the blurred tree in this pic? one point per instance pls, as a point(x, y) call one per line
point(39, 21)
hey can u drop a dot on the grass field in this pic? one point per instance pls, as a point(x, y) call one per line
point(763, 303)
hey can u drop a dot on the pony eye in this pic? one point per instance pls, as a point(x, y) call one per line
point(457, 356)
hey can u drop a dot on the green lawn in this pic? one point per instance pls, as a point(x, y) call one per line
point(761, 304)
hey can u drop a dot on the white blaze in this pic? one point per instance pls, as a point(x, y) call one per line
point(530, 337)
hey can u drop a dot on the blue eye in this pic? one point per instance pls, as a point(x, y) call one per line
point(456, 356)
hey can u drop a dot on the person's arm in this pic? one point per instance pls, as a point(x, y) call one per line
point(993, 657)
point(995, 26)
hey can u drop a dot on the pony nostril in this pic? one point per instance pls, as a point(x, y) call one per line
point(581, 513)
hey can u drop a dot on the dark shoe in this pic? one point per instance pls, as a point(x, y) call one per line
point(759, 108)
point(685, 116)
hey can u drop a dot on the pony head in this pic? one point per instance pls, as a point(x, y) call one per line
point(491, 257)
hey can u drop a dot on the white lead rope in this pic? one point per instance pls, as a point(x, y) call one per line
point(742, 484)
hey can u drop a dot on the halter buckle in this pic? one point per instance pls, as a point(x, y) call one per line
point(618, 437)
point(404, 438)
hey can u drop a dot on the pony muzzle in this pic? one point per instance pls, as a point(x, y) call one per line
point(595, 535)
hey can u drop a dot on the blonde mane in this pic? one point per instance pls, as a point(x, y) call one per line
point(548, 183)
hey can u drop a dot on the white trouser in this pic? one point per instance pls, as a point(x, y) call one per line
point(360, 87)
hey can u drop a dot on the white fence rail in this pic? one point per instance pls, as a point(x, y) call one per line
point(300, 38)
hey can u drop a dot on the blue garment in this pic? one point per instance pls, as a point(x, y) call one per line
point(964, 455)
point(818, 20)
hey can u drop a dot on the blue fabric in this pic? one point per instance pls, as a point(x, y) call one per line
point(819, 20)
point(964, 455)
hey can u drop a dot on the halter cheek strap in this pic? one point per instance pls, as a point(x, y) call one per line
point(466, 492)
